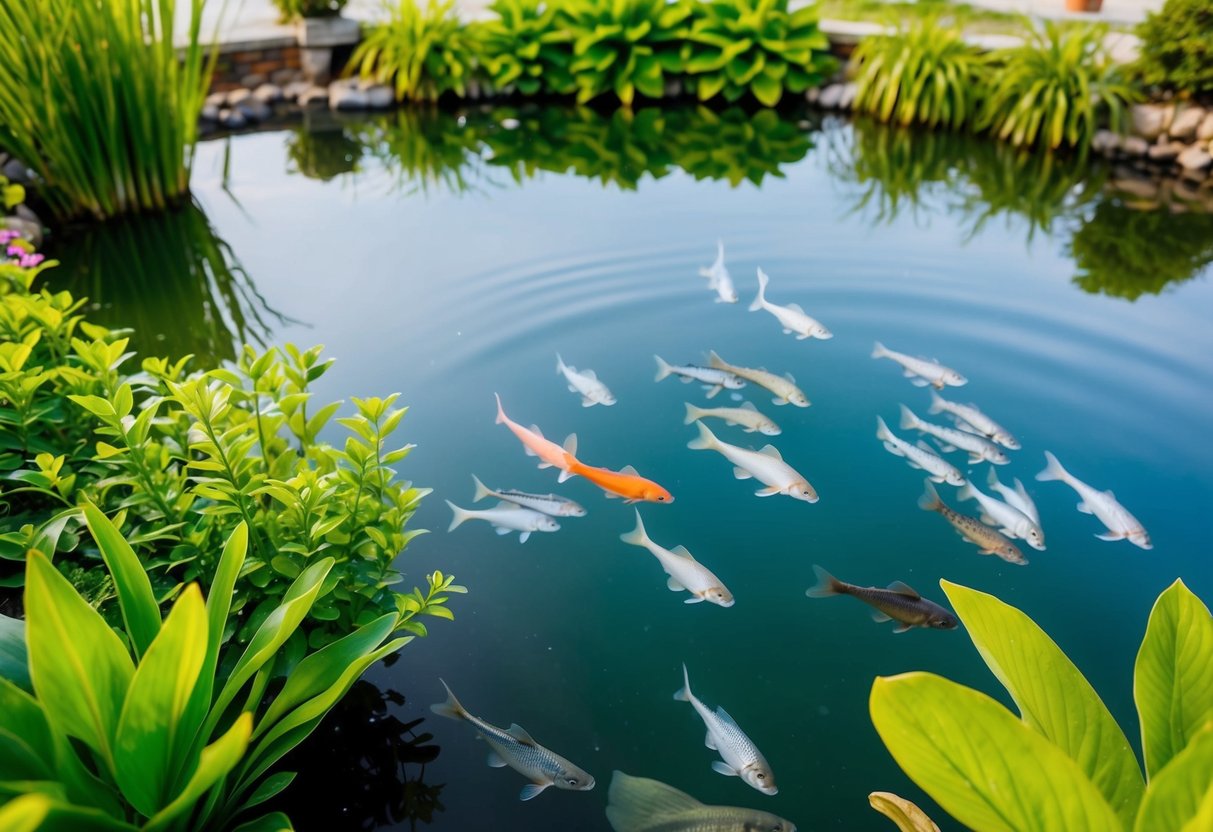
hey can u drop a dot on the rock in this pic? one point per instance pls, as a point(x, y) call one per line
point(254, 110)
point(849, 91)
point(26, 213)
point(253, 80)
point(812, 95)
point(831, 96)
point(1151, 120)
point(509, 123)
point(1183, 126)
point(282, 77)
point(344, 96)
point(268, 93)
point(232, 119)
point(1187, 191)
point(673, 88)
point(30, 231)
point(1194, 158)
point(1135, 146)
point(236, 97)
point(313, 96)
point(210, 112)
point(1205, 131)
point(1140, 188)
point(380, 96)
point(295, 89)
point(17, 172)
point(1165, 151)
point(1106, 142)
point(218, 99)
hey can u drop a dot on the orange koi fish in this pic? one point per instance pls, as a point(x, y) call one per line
point(625, 483)
point(550, 454)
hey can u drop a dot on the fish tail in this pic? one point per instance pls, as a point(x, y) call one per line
point(1053, 469)
point(560, 365)
point(719, 252)
point(482, 490)
point(762, 289)
point(706, 441)
point(929, 501)
point(967, 492)
point(637, 804)
point(882, 430)
point(501, 417)
point(637, 536)
point(938, 405)
point(694, 414)
point(826, 585)
point(992, 479)
point(908, 420)
point(451, 708)
point(461, 514)
point(663, 369)
point(683, 694)
point(879, 350)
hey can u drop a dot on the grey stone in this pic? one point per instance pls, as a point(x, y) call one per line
point(295, 89)
point(210, 112)
point(813, 94)
point(327, 31)
point(313, 96)
point(26, 213)
point(317, 64)
point(31, 231)
point(380, 96)
point(16, 171)
point(1106, 142)
point(253, 80)
point(232, 119)
point(1194, 158)
point(1205, 131)
point(1185, 123)
point(1140, 188)
point(1165, 151)
point(218, 99)
point(509, 123)
point(268, 93)
point(344, 96)
point(1135, 146)
point(255, 110)
point(831, 96)
point(236, 97)
point(282, 77)
point(849, 91)
point(1151, 120)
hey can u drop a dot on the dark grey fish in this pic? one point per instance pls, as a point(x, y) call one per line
point(898, 602)
point(637, 804)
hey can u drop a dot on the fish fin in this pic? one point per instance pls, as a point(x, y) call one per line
point(922, 445)
point(694, 414)
point(908, 420)
point(769, 491)
point(742, 474)
point(879, 350)
point(779, 402)
point(771, 451)
point(519, 733)
point(710, 742)
point(495, 760)
point(712, 390)
point(724, 716)
point(913, 464)
point(1084, 508)
point(527, 450)
point(634, 803)
point(749, 406)
point(460, 516)
point(522, 536)
point(570, 444)
point(1109, 494)
point(682, 552)
point(1111, 536)
point(919, 382)
point(947, 449)
point(694, 599)
point(535, 430)
point(663, 368)
point(451, 709)
point(795, 307)
point(903, 628)
point(966, 492)
point(1053, 470)
point(482, 490)
point(885, 435)
point(907, 373)
point(721, 767)
point(673, 585)
point(743, 427)
point(586, 402)
point(826, 585)
point(637, 536)
point(531, 790)
point(879, 617)
point(930, 500)
point(938, 404)
point(611, 495)
point(503, 503)
point(590, 374)
point(502, 530)
point(706, 441)
point(762, 288)
point(799, 337)
point(716, 361)
point(903, 589)
point(501, 417)
point(790, 377)
point(685, 379)
point(629, 470)
point(565, 474)
point(683, 694)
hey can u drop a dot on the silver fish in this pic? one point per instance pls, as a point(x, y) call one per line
point(718, 278)
point(1103, 504)
point(747, 417)
point(978, 447)
point(638, 804)
point(968, 414)
point(552, 505)
point(898, 602)
point(1006, 517)
point(505, 518)
point(739, 756)
point(515, 748)
point(919, 456)
point(713, 380)
point(920, 371)
point(585, 383)
point(791, 317)
point(784, 387)
point(1017, 496)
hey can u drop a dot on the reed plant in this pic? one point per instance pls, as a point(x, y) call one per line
point(97, 100)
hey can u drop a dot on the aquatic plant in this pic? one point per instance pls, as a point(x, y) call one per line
point(1058, 87)
point(422, 52)
point(95, 97)
point(525, 46)
point(323, 151)
point(1176, 47)
point(158, 726)
point(1064, 763)
point(756, 47)
point(925, 73)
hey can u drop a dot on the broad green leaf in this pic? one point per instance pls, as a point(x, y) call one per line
point(767, 90)
point(79, 667)
point(1173, 677)
point(1180, 797)
point(23, 726)
point(273, 822)
point(270, 787)
point(62, 817)
point(25, 813)
point(979, 762)
point(1052, 695)
point(14, 658)
point(139, 608)
point(151, 733)
point(217, 760)
point(907, 816)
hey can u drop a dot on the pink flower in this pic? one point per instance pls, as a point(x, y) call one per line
point(15, 251)
point(28, 261)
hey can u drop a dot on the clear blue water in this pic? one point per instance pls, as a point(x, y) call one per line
point(447, 295)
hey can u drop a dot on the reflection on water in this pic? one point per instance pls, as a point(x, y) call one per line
point(171, 278)
point(322, 147)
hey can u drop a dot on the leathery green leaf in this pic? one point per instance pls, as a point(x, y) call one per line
point(151, 735)
point(139, 608)
point(273, 822)
point(14, 659)
point(1052, 695)
point(217, 760)
point(23, 722)
point(907, 815)
point(1173, 676)
point(79, 667)
point(979, 762)
point(1181, 796)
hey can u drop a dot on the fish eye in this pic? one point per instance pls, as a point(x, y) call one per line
point(761, 776)
point(572, 781)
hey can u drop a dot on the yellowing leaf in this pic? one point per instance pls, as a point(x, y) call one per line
point(907, 816)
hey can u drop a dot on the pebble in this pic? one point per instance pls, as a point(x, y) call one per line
point(849, 91)
point(1140, 188)
point(17, 172)
point(1164, 152)
point(1106, 142)
point(210, 112)
point(268, 93)
point(831, 96)
point(1194, 158)
point(218, 99)
point(253, 80)
point(238, 97)
point(295, 89)
point(313, 96)
point(232, 119)
point(254, 110)
point(1183, 126)
point(282, 77)
point(1151, 120)
point(812, 95)
point(1205, 131)
point(347, 96)
point(380, 96)
point(31, 231)
point(1135, 146)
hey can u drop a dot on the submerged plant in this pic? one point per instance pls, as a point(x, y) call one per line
point(422, 52)
point(95, 97)
point(1064, 763)
point(1057, 88)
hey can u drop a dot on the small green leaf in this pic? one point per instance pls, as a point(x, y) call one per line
point(273, 822)
point(14, 658)
point(139, 608)
point(218, 759)
point(1180, 797)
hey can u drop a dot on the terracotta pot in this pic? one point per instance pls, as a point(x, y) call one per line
point(1083, 5)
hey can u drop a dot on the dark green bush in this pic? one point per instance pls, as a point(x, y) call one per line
point(1177, 47)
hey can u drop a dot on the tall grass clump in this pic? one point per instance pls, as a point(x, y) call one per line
point(95, 98)
point(420, 51)
point(925, 74)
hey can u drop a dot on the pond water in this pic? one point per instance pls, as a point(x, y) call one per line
point(451, 256)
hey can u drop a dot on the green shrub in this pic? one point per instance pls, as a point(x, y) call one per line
point(422, 53)
point(96, 99)
point(1058, 87)
point(526, 46)
point(161, 737)
point(755, 46)
point(1176, 50)
point(1064, 763)
point(925, 73)
point(294, 9)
